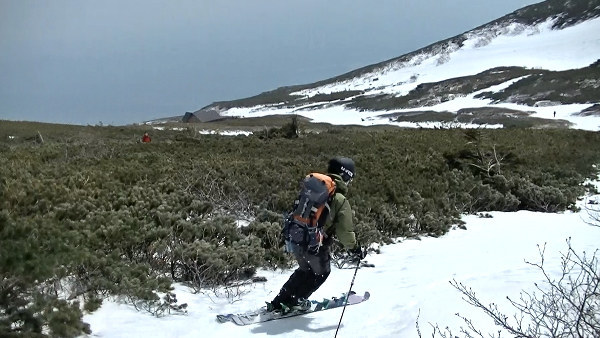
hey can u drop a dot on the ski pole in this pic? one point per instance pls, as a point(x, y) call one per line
point(347, 295)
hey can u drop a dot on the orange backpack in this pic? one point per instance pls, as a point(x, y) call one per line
point(304, 225)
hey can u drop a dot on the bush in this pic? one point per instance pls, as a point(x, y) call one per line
point(566, 306)
point(91, 213)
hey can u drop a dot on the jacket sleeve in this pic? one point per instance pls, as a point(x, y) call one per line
point(342, 223)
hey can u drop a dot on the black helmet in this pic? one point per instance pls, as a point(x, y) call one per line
point(342, 166)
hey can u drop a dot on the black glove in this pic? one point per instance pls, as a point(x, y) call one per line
point(357, 254)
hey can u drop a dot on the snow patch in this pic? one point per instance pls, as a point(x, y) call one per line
point(225, 132)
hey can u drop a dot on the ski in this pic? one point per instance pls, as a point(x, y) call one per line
point(260, 315)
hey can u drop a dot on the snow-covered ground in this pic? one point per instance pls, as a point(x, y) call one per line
point(514, 45)
point(410, 280)
point(224, 132)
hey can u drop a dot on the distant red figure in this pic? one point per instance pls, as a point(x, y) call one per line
point(146, 138)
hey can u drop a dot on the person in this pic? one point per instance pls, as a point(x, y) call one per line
point(314, 268)
point(146, 138)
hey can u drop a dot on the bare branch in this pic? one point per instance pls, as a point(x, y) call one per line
point(567, 305)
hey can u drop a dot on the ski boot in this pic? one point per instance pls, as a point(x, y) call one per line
point(302, 305)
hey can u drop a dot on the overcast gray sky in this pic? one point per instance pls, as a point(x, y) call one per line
point(128, 61)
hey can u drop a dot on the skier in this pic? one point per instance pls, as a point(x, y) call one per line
point(314, 268)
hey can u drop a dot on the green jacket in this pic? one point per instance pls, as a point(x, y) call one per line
point(339, 221)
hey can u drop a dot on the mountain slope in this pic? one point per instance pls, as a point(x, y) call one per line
point(543, 52)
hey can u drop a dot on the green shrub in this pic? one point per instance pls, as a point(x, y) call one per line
point(92, 214)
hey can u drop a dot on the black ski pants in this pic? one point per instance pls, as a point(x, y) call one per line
point(312, 271)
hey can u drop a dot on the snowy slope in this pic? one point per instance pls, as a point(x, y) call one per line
point(410, 280)
point(514, 44)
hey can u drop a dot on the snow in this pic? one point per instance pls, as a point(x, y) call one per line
point(513, 45)
point(225, 132)
point(208, 131)
point(534, 47)
point(410, 280)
